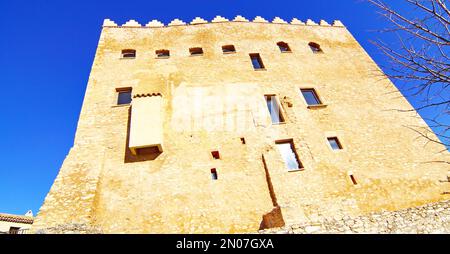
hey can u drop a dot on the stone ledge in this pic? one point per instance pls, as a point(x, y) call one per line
point(72, 228)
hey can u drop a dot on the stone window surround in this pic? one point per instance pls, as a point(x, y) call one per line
point(319, 97)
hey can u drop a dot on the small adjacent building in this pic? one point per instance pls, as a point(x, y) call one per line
point(16, 224)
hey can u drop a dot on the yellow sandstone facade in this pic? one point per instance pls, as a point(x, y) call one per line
point(198, 151)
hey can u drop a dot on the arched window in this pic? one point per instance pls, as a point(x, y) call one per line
point(162, 53)
point(284, 47)
point(196, 51)
point(128, 53)
point(315, 47)
point(228, 49)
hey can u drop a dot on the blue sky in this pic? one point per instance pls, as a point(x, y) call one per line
point(47, 49)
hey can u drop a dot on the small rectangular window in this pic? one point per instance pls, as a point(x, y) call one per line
point(243, 141)
point(215, 155)
point(128, 53)
point(289, 155)
point(256, 61)
point(214, 174)
point(14, 230)
point(334, 143)
point(283, 46)
point(353, 180)
point(196, 51)
point(228, 49)
point(274, 109)
point(315, 47)
point(311, 97)
point(123, 96)
point(162, 53)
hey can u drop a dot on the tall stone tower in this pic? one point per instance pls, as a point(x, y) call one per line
point(233, 126)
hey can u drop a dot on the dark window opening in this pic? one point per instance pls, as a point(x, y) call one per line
point(215, 155)
point(289, 154)
point(196, 51)
point(243, 141)
point(284, 47)
point(315, 47)
point(123, 96)
point(162, 53)
point(128, 53)
point(14, 230)
point(311, 97)
point(256, 61)
point(274, 109)
point(334, 143)
point(353, 180)
point(228, 49)
point(214, 174)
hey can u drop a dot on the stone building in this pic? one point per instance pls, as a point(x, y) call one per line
point(236, 126)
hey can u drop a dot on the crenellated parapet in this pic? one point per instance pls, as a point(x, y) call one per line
point(218, 19)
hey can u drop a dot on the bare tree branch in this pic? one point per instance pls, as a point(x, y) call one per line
point(420, 61)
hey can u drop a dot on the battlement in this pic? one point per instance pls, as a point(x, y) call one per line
point(219, 19)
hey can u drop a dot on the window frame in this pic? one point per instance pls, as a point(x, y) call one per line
point(290, 141)
point(228, 52)
point(315, 94)
point(122, 90)
point(162, 56)
point(260, 61)
point(130, 51)
point(193, 53)
point(282, 117)
point(289, 50)
point(338, 143)
point(315, 47)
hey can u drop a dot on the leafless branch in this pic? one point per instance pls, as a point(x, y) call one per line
point(420, 60)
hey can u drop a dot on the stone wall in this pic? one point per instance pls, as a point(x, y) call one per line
point(427, 219)
point(70, 228)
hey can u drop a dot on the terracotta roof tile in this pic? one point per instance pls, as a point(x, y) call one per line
point(16, 218)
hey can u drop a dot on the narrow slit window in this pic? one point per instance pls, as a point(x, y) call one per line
point(334, 143)
point(123, 96)
point(257, 61)
point(284, 47)
point(311, 97)
point(128, 53)
point(352, 177)
point(214, 175)
point(274, 109)
point(228, 49)
point(196, 51)
point(215, 155)
point(289, 155)
point(162, 53)
point(315, 47)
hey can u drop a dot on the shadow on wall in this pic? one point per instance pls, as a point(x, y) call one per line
point(274, 218)
point(143, 154)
